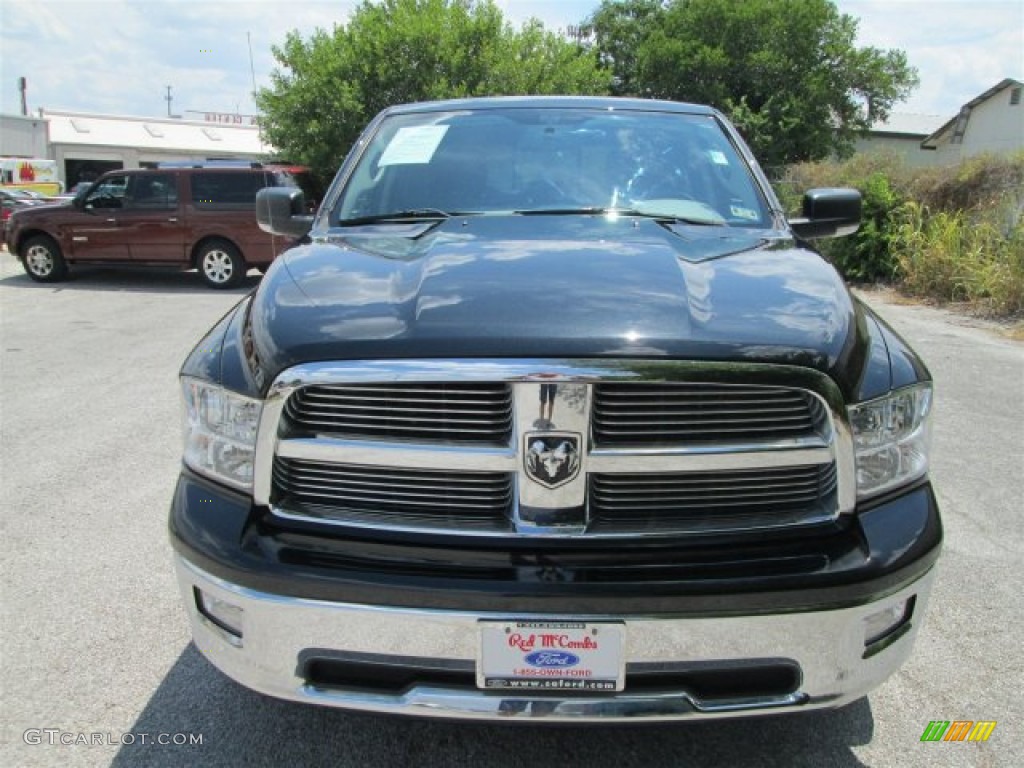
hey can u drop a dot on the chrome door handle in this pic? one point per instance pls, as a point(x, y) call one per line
point(173, 219)
point(111, 221)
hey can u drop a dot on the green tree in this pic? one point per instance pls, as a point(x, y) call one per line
point(395, 51)
point(618, 30)
point(787, 72)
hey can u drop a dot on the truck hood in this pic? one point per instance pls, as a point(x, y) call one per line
point(552, 286)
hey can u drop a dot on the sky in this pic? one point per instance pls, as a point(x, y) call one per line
point(118, 56)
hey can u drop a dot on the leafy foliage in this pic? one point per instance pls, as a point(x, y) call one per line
point(787, 72)
point(396, 51)
point(952, 233)
point(618, 31)
point(865, 255)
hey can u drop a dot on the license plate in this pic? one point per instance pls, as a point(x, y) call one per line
point(551, 656)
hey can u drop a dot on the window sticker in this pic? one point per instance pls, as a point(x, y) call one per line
point(413, 145)
point(718, 158)
point(743, 213)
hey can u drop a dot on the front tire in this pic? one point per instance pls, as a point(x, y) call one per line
point(42, 259)
point(220, 264)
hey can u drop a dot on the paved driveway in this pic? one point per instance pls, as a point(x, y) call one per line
point(94, 640)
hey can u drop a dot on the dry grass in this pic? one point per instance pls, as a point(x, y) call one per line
point(957, 257)
point(1015, 331)
point(951, 234)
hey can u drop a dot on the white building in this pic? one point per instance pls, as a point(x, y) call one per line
point(990, 123)
point(85, 145)
point(901, 135)
point(22, 136)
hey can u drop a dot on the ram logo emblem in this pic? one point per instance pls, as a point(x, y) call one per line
point(552, 458)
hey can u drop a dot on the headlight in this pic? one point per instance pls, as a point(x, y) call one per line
point(891, 437)
point(220, 432)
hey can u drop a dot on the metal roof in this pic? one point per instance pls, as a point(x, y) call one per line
point(154, 133)
point(908, 124)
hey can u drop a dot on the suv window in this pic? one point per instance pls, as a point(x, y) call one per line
point(109, 193)
point(155, 191)
point(225, 188)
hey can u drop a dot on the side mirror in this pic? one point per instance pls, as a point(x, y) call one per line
point(281, 211)
point(79, 199)
point(828, 213)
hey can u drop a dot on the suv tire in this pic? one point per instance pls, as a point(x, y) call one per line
point(220, 264)
point(42, 259)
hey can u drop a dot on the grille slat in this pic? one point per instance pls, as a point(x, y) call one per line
point(653, 429)
point(369, 400)
point(300, 486)
point(683, 420)
point(430, 413)
point(625, 390)
point(396, 479)
point(431, 494)
point(374, 411)
point(412, 425)
point(633, 414)
point(350, 491)
point(683, 412)
point(706, 496)
point(335, 498)
point(376, 390)
point(766, 496)
point(612, 484)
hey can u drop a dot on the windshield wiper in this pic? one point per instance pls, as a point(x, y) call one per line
point(691, 220)
point(556, 211)
point(597, 210)
point(412, 214)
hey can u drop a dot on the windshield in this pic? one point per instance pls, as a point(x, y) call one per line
point(557, 160)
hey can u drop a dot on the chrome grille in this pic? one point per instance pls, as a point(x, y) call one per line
point(442, 446)
point(688, 413)
point(395, 497)
point(429, 412)
point(726, 499)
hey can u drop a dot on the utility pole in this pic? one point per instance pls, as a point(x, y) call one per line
point(252, 73)
point(168, 98)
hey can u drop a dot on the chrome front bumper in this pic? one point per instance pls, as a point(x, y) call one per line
point(278, 631)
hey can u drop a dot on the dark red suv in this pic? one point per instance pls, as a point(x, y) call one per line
point(192, 217)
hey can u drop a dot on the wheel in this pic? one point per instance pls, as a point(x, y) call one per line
point(42, 259)
point(220, 264)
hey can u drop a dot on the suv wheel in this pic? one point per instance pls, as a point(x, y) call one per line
point(220, 264)
point(42, 259)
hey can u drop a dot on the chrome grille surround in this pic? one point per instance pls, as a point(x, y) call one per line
point(824, 448)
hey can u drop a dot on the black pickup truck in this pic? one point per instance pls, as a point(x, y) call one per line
point(555, 415)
